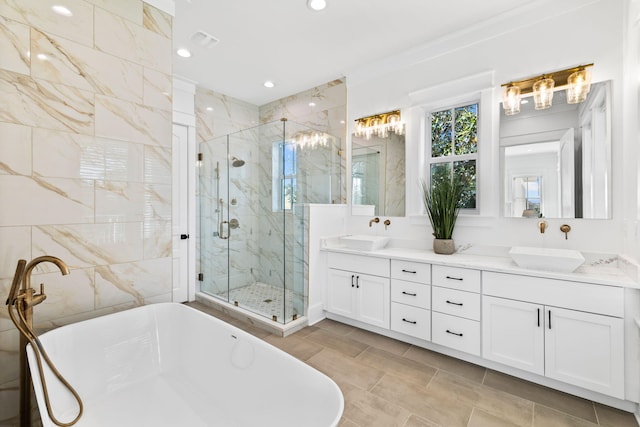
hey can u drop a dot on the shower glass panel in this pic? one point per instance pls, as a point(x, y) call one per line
point(254, 186)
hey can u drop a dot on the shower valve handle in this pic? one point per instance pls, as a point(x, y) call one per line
point(184, 236)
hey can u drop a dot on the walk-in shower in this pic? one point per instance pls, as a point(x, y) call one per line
point(253, 188)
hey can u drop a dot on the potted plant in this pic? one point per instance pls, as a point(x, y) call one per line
point(442, 202)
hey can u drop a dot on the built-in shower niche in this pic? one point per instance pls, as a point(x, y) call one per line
point(254, 186)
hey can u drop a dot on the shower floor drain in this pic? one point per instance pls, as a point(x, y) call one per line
point(268, 300)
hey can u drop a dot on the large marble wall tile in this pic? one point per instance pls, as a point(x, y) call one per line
point(118, 201)
point(19, 247)
point(157, 165)
point(66, 295)
point(157, 89)
point(40, 103)
point(62, 61)
point(88, 245)
point(15, 149)
point(124, 161)
point(157, 202)
point(157, 21)
point(131, 10)
point(127, 121)
point(136, 281)
point(67, 155)
point(14, 46)
point(39, 14)
point(9, 340)
point(133, 42)
point(38, 200)
point(157, 239)
point(218, 114)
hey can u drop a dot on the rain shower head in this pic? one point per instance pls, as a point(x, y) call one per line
point(236, 162)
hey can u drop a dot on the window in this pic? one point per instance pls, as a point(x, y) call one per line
point(454, 149)
point(527, 194)
point(284, 176)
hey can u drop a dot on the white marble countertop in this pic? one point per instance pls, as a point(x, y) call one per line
point(603, 269)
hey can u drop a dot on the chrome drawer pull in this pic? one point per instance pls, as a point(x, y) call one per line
point(455, 303)
point(409, 321)
point(455, 278)
point(453, 333)
point(408, 271)
point(408, 293)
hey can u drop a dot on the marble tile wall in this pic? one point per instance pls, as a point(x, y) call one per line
point(85, 160)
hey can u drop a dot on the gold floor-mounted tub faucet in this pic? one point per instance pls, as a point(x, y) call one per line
point(22, 297)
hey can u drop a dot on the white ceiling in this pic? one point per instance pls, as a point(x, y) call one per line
point(284, 41)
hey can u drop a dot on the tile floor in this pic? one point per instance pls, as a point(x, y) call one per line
point(389, 383)
point(263, 299)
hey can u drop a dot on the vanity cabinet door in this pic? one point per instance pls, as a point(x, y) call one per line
point(373, 300)
point(359, 296)
point(513, 333)
point(340, 293)
point(585, 349)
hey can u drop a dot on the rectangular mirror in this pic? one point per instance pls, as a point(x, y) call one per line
point(378, 175)
point(556, 163)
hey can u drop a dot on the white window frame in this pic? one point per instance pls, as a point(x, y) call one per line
point(451, 105)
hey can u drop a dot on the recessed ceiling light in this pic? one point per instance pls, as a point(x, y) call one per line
point(183, 52)
point(61, 10)
point(312, 104)
point(524, 101)
point(269, 84)
point(209, 108)
point(316, 4)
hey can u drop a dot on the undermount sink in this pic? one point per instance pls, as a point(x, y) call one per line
point(559, 260)
point(364, 243)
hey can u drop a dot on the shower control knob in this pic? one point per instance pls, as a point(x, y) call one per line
point(184, 236)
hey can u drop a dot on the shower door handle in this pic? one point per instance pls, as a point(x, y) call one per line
point(221, 230)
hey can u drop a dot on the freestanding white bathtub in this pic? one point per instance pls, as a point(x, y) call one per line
point(171, 365)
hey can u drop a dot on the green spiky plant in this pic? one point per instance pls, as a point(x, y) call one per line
point(442, 203)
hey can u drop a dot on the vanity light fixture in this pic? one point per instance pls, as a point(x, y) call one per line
point(380, 125)
point(310, 140)
point(316, 5)
point(576, 80)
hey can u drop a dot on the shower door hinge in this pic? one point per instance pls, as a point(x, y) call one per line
point(200, 157)
point(200, 277)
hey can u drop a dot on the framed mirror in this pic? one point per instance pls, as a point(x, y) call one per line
point(556, 163)
point(378, 175)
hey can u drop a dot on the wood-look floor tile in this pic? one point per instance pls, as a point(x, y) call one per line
point(480, 418)
point(335, 327)
point(345, 369)
point(295, 346)
point(544, 416)
point(440, 408)
point(345, 422)
point(397, 365)
point(366, 409)
point(415, 421)
point(446, 363)
point(340, 343)
point(379, 341)
point(551, 398)
point(612, 417)
point(505, 406)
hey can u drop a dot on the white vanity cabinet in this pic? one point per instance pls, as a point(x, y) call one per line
point(359, 288)
point(455, 305)
point(569, 331)
point(411, 298)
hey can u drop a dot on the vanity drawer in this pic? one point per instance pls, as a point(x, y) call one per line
point(463, 279)
point(411, 320)
point(589, 297)
point(411, 293)
point(456, 332)
point(455, 302)
point(359, 263)
point(411, 271)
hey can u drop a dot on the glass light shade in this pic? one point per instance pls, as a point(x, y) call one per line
point(579, 86)
point(511, 100)
point(543, 93)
